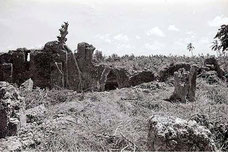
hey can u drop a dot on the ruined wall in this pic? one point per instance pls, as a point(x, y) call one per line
point(50, 67)
point(185, 85)
point(111, 78)
point(88, 72)
point(58, 67)
point(14, 66)
point(40, 68)
point(122, 77)
point(142, 77)
point(212, 64)
point(168, 71)
point(6, 73)
point(72, 78)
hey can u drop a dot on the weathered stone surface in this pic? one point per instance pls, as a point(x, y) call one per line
point(10, 144)
point(212, 64)
point(175, 134)
point(217, 128)
point(5, 58)
point(27, 85)
point(51, 46)
point(103, 78)
point(6, 72)
point(112, 78)
point(122, 77)
point(211, 77)
point(11, 110)
point(142, 77)
point(168, 71)
point(57, 75)
point(185, 85)
point(26, 140)
point(87, 74)
point(36, 114)
point(72, 74)
point(20, 65)
point(39, 69)
point(84, 54)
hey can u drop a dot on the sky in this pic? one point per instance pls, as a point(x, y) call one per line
point(139, 27)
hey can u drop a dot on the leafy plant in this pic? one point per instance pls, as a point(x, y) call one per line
point(222, 36)
point(216, 47)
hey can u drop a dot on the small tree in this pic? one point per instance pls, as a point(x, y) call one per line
point(222, 36)
point(190, 48)
point(63, 33)
point(216, 47)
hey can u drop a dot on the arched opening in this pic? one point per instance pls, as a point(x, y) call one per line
point(111, 83)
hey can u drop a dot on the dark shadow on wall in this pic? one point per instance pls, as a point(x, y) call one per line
point(111, 83)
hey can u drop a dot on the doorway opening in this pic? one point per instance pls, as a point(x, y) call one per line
point(111, 83)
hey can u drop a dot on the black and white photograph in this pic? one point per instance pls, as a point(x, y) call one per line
point(113, 75)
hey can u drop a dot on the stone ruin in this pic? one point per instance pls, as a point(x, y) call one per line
point(185, 85)
point(56, 66)
point(12, 108)
point(112, 78)
point(211, 64)
point(142, 77)
point(168, 71)
point(168, 133)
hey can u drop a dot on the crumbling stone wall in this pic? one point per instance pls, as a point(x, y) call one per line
point(142, 77)
point(6, 72)
point(20, 70)
point(168, 71)
point(53, 66)
point(103, 78)
point(185, 85)
point(57, 66)
point(15, 66)
point(72, 74)
point(112, 78)
point(212, 64)
point(86, 70)
point(122, 77)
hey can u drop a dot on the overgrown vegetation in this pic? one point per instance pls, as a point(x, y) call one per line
point(117, 120)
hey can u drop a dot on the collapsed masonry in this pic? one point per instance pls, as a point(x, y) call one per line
point(52, 67)
point(168, 133)
point(56, 66)
point(168, 71)
point(185, 85)
point(12, 108)
point(211, 64)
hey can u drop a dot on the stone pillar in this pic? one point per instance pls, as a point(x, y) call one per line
point(185, 85)
point(103, 78)
point(85, 55)
point(57, 75)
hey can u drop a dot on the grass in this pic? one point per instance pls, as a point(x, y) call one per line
point(117, 120)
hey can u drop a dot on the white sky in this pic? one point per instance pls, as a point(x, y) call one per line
point(141, 27)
